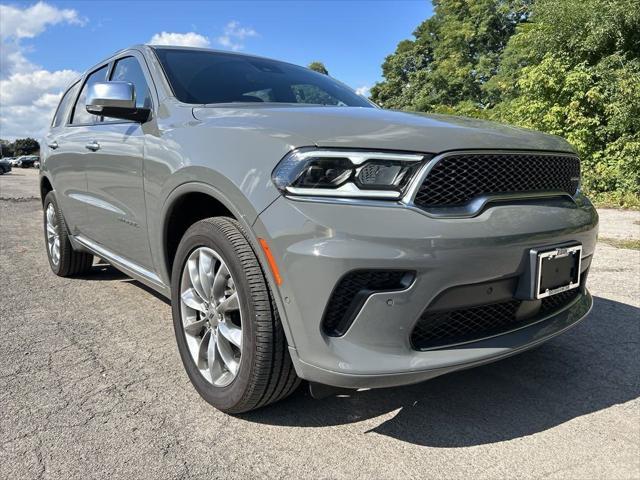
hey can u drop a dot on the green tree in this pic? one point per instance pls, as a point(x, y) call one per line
point(6, 148)
point(319, 67)
point(575, 71)
point(454, 54)
point(26, 146)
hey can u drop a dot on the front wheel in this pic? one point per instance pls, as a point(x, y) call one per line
point(227, 327)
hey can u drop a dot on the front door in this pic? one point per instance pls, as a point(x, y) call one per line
point(116, 206)
point(115, 175)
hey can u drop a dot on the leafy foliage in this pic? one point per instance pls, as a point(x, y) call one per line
point(22, 146)
point(318, 67)
point(454, 54)
point(570, 68)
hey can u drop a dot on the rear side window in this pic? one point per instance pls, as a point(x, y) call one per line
point(63, 108)
point(80, 114)
point(128, 70)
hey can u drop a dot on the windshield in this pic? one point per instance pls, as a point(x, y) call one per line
point(201, 77)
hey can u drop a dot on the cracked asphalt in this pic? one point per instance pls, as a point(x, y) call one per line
point(91, 386)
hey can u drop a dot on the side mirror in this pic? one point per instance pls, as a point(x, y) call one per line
point(115, 100)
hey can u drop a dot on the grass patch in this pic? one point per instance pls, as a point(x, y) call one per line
point(630, 243)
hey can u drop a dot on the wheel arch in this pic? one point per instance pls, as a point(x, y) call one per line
point(45, 187)
point(225, 207)
point(193, 201)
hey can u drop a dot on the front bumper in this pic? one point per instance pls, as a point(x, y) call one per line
point(317, 243)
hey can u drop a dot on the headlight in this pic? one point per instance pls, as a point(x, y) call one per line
point(338, 173)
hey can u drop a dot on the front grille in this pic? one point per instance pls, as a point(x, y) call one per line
point(352, 291)
point(437, 329)
point(459, 178)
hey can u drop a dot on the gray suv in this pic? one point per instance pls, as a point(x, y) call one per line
point(301, 232)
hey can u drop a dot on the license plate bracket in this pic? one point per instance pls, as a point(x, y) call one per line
point(557, 270)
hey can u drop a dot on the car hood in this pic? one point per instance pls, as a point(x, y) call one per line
point(374, 128)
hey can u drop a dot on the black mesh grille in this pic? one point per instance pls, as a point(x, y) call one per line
point(437, 329)
point(557, 301)
point(352, 291)
point(457, 179)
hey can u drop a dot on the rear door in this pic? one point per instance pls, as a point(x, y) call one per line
point(65, 151)
point(116, 207)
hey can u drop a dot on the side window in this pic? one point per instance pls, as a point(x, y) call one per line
point(80, 114)
point(128, 70)
point(63, 107)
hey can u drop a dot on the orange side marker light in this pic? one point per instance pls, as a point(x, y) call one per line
point(271, 260)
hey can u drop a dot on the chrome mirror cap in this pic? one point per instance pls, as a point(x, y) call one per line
point(110, 94)
point(115, 100)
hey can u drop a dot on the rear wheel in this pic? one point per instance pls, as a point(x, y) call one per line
point(227, 327)
point(63, 259)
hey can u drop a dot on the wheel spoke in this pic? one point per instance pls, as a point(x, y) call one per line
point(50, 214)
point(192, 299)
point(220, 281)
point(211, 357)
point(203, 348)
point(229, 304)
point(205, 272)
point(194, 276)
point(194, 328)
point(231, 332)
point(226, 354)
point(51, 229)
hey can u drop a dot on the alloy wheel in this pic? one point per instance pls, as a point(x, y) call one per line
point(211, 316)
point(53, 235)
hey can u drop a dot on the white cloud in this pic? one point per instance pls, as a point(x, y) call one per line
point(189, 39)
point(29, 101)
point(234, 35)
point(28, 22)
point(25, 88)
point(364, 90)
point(28, 93)
point(48, 100)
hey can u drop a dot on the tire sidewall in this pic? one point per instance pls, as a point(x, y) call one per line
point(202, 235)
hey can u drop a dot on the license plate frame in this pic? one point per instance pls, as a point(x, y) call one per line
point(557, 258)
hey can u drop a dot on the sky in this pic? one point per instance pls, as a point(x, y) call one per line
point(45, 45)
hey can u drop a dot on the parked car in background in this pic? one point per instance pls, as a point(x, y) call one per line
point(14, 161)
point(5, 165)
point(301, 232)
point(28, 161)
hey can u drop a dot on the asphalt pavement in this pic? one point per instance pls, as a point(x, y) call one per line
point(91, 386)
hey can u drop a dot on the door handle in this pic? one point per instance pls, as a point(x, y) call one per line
point(93, 146)
point(53, 145)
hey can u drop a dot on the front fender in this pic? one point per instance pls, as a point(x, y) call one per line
point(242, 210)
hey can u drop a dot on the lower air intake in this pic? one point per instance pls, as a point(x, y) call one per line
point(352, 291)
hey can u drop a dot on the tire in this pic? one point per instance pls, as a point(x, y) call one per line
point(69, 262)
point(264, 371)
